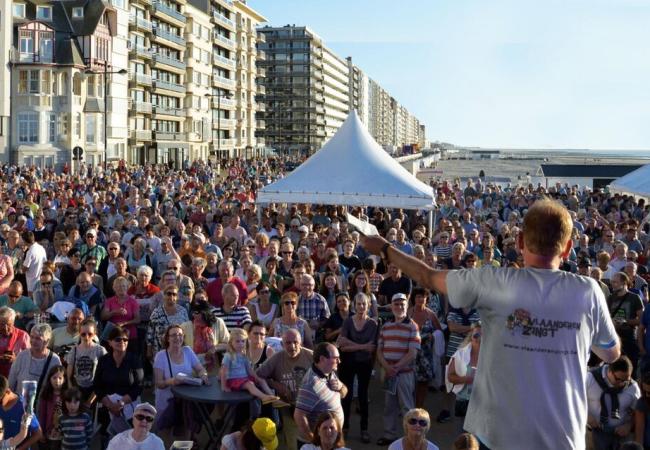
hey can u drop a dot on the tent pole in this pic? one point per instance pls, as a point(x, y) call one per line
point(431, 220)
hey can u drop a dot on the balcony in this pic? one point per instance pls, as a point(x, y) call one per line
point(222, 20)
point(224, 102)
point(223, 123)
point(261, 71)
point(141, 135)
point(261, 37)
point(168, 111)
point(140, 78)
point(171, 37)
point(159, 8)
point(260, 123)
point(139, 51)
point(261, 55)
point(173, 62)
point(261, 89)
point(224, 40)
point(169, 86)
point(167, 136)
point(225, 142)
point(139, 23)
point(141, 2)
point(218, 81)
point(139, 107)
point(218, 59)
point(261, 107)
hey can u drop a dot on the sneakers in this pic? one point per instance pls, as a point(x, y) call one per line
point(443, 417)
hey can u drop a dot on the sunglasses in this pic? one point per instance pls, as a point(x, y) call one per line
point(290, 303)
point(121, 339)
point(476, 335)
point(421, 422)
point(142, 417)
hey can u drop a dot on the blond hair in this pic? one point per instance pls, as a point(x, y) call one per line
point(236, 333)
point(547, 228)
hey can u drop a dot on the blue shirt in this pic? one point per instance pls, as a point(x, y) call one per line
point(77, 431)
point(13, 417)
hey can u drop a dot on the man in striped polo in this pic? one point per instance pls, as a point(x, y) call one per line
point(399, 343)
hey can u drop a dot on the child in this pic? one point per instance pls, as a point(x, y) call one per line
point(11, 443)
point(76, 426)
point(236, 370)
point(50, 407)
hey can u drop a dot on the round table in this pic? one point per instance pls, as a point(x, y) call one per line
point(205, 395)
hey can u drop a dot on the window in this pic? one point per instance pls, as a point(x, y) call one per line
point(76, 84)
point(103, 20)
point(77, 12)
point(34, 82)
point(44, 12)
point(77, 125)
point(52, 128)
point(118, 3)
point(22, 81)
point(90, 86)
point(26, 43)
point(28, 127)
point(19, 10)
point(64, 124)
point(46, 82)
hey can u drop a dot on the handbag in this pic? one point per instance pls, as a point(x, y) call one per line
point(172, 414)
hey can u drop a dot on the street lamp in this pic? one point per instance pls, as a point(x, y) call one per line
point(219, 94)
point(105, 73)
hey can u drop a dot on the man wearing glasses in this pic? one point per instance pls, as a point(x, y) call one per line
point(140, 437)
point(23, 306)
point(539, 324)
point(92, 248)
point(611, 395)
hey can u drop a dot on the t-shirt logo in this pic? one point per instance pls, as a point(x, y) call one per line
point(523, 323)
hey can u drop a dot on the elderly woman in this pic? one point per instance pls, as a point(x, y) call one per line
point(327, 434)
point(120, 271)
point(416, 426)
point(118, 378)
point(32, 364)
point(176, 358)
point(122, 309)
point(253, 277)
point(6, 271)
point(196, 272)
point(168, 313)
point(12, 340)
point(144, 291)
point(140, 436)
point(289, 319)
point(137, 256)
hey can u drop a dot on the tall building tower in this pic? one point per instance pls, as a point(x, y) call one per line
point(6, 37)
point(307, 89)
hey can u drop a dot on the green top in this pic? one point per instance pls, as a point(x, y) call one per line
point(23, 305)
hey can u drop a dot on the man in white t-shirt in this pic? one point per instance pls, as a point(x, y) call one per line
point(35, 257)
point(140, 437)
point(539, 325)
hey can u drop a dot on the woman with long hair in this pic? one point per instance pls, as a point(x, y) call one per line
point(290, 319)
point(327, 434)
point(462, 367)
point(361, 283)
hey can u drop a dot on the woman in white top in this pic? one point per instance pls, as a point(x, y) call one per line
point(174, 359)
point(262, 309)
point(416, 426)
point(327, 434)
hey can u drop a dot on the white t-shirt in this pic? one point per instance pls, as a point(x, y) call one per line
point(626, 399)
point(124, 441)
point(314, 447)
point(538, 328)
point(160, 362)
point(34, 260)
point(398, 445)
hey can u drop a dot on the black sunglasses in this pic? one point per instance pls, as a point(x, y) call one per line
point(143, 417)
point(121, 339)
point(421, 422)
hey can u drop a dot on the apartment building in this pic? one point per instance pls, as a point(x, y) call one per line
point(247, 87)
point(157, 77)
point(60, 57)
point(6, 44)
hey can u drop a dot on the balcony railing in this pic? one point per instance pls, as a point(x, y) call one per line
point(222, 80)
point(167, 136)
point(171, 12)
point(261, 37)
point(224, 102)
point(218, 59)
point(171, 37)
point(164, 59)
point(140, 78)
point(159, 84)
point(223, 123)
point(141, 135)
point(261, 55)
point(222, 19)
point(140, 50)
point(169, 111)
point(224, 40)
point(140, 22)
point(139, 107)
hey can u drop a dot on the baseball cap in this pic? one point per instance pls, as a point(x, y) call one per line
point(264, 430)
point(303, 229)
point(399, 296)
point(91, 231)
point(146, 407)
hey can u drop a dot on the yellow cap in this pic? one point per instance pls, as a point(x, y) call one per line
point(264, 430)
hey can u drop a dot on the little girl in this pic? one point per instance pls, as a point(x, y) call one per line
point(50, 407)
point(237, 372)
point(76, 426)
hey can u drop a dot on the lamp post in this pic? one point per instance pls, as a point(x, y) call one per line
point(106, 72)
point(219, 94)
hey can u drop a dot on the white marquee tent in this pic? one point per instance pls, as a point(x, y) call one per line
point(636, 182)
point(350, 169)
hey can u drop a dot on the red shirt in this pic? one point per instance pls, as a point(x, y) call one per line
point(214, 291)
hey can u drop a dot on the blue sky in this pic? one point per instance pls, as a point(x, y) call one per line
point(502, 73)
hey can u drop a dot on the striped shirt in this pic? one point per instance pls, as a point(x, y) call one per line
point(459, 317)
point(237, 318)
point(375, 281)
point(397, 338)
point(315, 396)
point(77, 431)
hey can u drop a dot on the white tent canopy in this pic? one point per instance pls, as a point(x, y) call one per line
point(350, 169)
point(636, 182)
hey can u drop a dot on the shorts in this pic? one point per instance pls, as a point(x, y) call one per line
point(237, 384)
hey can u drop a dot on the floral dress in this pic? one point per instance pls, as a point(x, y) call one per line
point(424, 360)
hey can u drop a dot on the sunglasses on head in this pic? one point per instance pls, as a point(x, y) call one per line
point(142, 417)
point(421, 422)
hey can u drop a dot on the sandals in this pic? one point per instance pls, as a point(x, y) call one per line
point(270, 399)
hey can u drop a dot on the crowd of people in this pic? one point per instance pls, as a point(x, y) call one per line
point(116, 286)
